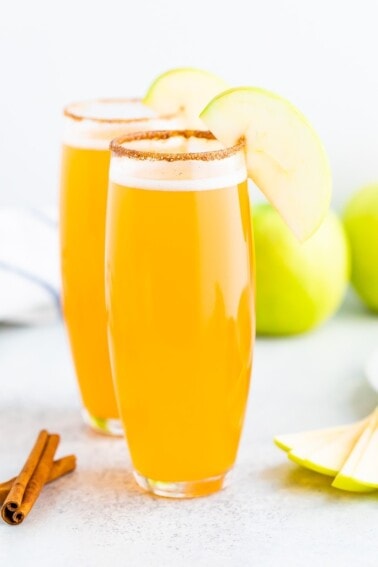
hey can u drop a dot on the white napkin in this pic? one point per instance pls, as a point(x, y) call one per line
point(29, 266)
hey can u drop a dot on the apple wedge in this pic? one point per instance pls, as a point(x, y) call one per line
point(306, 439)
point(185, 90)
point(285, 157)
point(366, 471)
point(360, 471)
point(329, 455)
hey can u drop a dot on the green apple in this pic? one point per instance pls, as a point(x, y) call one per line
point(360, 471)
point(298, 285)
point(361, 223)
point(285, 157)
point(329, 455)
point(184, 90)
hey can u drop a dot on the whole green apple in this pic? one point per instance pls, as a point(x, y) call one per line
point(298, 285)
point(361, 224)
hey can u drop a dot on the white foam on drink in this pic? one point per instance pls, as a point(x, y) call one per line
point(88, 127)
point(112, 109)
point(180, 174)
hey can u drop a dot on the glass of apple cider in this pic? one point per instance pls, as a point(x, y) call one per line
point(88, 129)
point(179, 284)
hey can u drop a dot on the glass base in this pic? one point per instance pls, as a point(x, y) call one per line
point(185, 489)
point(112, 427)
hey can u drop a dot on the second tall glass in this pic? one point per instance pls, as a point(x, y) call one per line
point(88, 129)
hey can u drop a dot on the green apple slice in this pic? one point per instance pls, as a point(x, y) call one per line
point(185, 90)
point(330, 454)
point(367, 469)
point(308, 438)
point(360, 471)
point(285, 157)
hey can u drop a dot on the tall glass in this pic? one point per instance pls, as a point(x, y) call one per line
point(88, 129)
point(180, 300)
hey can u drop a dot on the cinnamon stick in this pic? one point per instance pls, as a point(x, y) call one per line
point(59, 468)
point(29, 483)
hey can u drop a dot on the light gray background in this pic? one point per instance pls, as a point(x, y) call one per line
point(320, 54)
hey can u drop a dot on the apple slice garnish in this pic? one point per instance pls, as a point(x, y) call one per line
point(185, 90)
point(285, 157)
point(360, 471)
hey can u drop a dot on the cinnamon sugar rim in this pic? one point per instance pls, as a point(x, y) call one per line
point(70, 111)
point(120, 151)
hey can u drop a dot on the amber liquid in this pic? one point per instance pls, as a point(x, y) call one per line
point(84, 186)
point(179, 285)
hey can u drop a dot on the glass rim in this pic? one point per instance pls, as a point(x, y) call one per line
point(119, 150)
point(72, 111)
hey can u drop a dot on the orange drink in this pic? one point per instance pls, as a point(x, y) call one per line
point(88, 129)
point(180, 302)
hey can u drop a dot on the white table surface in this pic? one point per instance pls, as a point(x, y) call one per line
point(274, 513)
